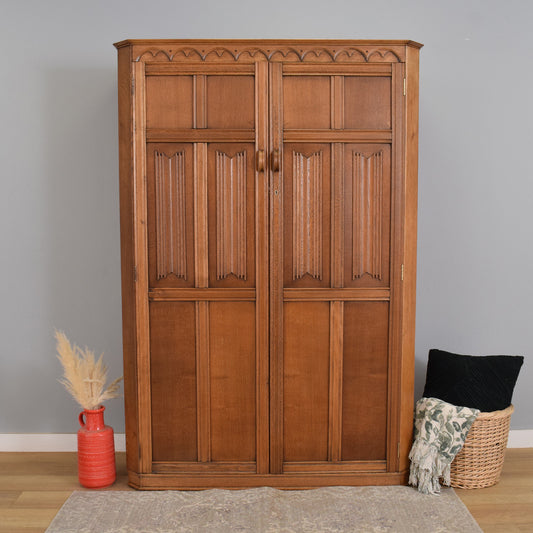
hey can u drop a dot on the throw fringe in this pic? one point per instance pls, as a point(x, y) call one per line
point(440, 432)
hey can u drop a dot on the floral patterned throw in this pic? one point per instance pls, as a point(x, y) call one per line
point(440, 432)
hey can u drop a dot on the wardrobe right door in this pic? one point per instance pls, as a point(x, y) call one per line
point(335, 171)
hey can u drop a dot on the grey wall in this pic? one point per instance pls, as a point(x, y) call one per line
point(59, 222)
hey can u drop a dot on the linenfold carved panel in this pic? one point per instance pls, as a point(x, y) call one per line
point(338, 54)
point(231, 215)
point(170, 215)
point(367, 214)
point(307, 215)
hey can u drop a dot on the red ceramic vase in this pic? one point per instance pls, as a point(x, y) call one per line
point(96, 450)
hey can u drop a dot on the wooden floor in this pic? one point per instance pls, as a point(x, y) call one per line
point(33, 486)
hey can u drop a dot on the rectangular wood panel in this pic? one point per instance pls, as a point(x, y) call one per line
point(307, 215)
point(173, 381)
point(367, 215)
point(307, 102)
point(365, 385)
point(367, 102)
point(170, 211)
point(306, 363)
point(170, 198)
point(232, 380)
point(230, 102)
point(169, 101)
point(231, 214)
point(231, 210)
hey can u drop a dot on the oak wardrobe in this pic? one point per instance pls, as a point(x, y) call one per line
point(268, 200)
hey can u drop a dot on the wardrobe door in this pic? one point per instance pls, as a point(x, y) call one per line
point(333, 369)
point(207, 256)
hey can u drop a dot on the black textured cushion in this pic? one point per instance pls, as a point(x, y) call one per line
point(486, 383)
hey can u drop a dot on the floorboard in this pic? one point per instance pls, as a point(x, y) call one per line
point(34, 486)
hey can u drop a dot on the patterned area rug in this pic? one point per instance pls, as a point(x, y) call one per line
point(326, 510)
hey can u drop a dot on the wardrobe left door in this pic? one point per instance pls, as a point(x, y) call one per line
point(206, 276)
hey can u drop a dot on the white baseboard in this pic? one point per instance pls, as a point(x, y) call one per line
point(520, 438)
point(66, 442)
point(48, 442)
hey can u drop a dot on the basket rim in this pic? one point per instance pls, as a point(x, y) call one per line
point(496, 414)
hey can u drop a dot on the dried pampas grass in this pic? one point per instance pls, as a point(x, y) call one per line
point(84, 376)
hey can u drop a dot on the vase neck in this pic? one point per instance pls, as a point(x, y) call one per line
point(94, 419)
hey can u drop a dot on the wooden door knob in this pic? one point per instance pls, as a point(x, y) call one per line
point(275, 160)
point(260, 160)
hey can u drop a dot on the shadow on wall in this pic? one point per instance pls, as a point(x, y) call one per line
point(420, 376)
point(82, 258)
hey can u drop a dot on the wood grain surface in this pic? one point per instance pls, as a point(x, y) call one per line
point(34, 486)
point(268, 218)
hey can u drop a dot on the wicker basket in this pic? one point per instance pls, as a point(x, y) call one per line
point(479, 464)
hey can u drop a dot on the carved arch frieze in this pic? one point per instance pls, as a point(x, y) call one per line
point(322, 54)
